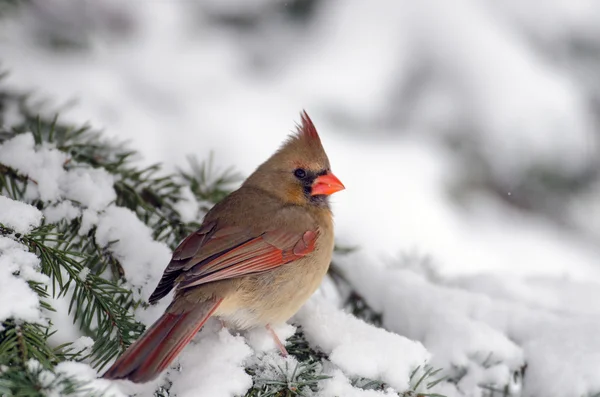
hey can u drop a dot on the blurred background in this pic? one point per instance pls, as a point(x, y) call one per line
point(464, 131)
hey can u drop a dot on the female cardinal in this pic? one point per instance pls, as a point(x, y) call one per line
point(258, 256)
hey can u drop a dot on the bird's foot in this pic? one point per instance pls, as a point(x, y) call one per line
point(280, 345)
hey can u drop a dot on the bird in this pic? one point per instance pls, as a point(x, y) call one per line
point(257, 257)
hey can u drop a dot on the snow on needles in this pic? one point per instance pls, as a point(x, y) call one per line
point(84, 373)
point(490, 338)
point(360, 349)
point(92, 188)
point(18, 216)
point(19, 301)
point(339, 385)
point(143, 258)
point(89, 191)
point(68, 192)
point(214, 366)
point(17, 265)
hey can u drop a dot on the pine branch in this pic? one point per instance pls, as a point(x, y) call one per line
point(12, 182)
point(152, 197)
point(207, 184)
point(300, 380)
point(298, 346)
point(31, 379)
point(100, 306)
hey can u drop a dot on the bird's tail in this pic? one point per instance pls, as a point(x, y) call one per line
point(160, 344)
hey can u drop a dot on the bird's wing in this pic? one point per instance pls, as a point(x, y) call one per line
point(218, 253)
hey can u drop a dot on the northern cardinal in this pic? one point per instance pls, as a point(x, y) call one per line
point(259, 254)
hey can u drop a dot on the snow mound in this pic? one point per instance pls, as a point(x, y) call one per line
point(481, 339)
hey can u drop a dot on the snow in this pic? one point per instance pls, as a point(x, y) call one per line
point(84, 373)
point(262, 341)
point(83, 273)
point(63, 210)
point(68, 331)
point(46, 169)
point(45, 376)
point(92, 188)
point(20, 217)
point(89, 219)
point(83, 344)
point(388, 85)
point(131, 242)
point(188, 207)
point(17, 266)
point(360, 349)
point(339, 385)
point(490, 336)
point(575, 342)
point(213, 367)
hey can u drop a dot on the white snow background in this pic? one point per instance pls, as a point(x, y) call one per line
point(399, 91)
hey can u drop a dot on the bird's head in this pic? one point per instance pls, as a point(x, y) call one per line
point(299, 172)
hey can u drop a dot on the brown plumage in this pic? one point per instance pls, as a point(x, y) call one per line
point(258, 256)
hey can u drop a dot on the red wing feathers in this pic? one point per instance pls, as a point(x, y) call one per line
point(207, 242)
point(214, 253)
point(265, 252)
point(192, 243)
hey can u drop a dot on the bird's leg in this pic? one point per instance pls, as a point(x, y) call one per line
point(280, 345)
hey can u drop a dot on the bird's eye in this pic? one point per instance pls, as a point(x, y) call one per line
point(299, 173)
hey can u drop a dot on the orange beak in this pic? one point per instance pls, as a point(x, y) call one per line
point(326, 184)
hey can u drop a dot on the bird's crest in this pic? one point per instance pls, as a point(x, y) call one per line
point(303, 147)
point(307, 128)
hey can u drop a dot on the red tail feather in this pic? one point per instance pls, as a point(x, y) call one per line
point(160, 344)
